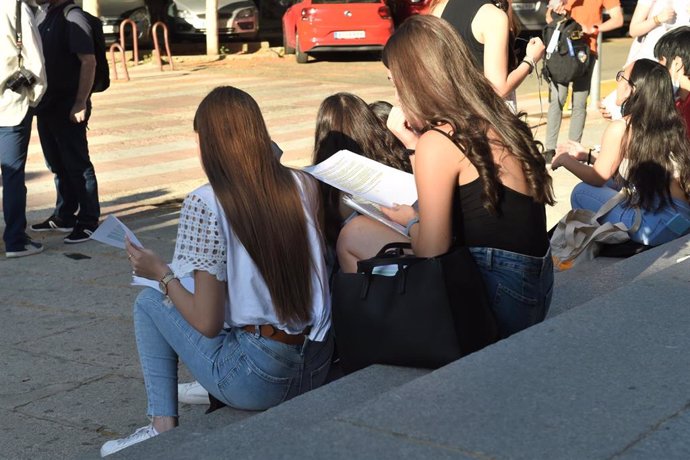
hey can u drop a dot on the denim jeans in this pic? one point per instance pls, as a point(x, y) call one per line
point(66, 151)
point(557, 98)
point(14, 143)
point(242, 369)
point(519, 287)
point(657, 227)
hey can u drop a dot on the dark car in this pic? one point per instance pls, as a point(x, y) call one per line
point(531, 15)
point(113, 12)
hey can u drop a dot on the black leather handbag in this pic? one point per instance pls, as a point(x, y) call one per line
point(431, 312)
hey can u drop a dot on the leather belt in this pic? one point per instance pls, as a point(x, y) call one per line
point(273, 333)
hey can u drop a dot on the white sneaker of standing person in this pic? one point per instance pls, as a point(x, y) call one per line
point(116, 445)
point(192, 393)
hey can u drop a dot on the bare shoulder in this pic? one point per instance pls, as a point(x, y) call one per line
point(491, 15)
point(436, 143)
point(616, 128)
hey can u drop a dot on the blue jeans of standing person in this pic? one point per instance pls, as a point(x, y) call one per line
point(657, 227)
point(14, 143)
point(242, 369)
point(66, 151)
point(519, 287)
point(558, 94)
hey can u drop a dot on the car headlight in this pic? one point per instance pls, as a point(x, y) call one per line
point(184, 14)
point(245, 13)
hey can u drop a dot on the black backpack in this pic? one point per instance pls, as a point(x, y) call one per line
point(571, 57)
point(101, 80)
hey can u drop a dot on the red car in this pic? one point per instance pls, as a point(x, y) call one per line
point(313, 26)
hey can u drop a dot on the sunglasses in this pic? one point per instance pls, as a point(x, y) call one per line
point(621, 76)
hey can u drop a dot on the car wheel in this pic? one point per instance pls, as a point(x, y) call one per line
point(299, 55)
point(288, 49)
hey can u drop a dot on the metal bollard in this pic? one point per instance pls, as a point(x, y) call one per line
point(157, 49)
point(114, 64)
point(135, 39)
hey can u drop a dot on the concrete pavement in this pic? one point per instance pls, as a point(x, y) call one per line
point(70, 378)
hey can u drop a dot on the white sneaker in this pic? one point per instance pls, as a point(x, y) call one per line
point(116, 445)
point(192, 393)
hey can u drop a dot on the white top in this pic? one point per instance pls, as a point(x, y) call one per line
point(13, 106)
point(643, 47)
point(206, 242)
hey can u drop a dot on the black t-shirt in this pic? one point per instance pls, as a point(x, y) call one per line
point(63, 39)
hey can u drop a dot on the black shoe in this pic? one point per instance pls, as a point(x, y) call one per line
point(549, 154)
point(30, 248)
point(80, 234)
point(52, 224)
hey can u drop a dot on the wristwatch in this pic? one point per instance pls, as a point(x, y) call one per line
point(163, 283)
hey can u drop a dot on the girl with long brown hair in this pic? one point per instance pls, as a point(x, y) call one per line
point(251, 241)
point(345, 121)
point(647, 152)
point(480, 177)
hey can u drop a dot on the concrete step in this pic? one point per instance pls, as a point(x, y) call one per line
point(602, 275)
point(608, 379)
point(229, 433)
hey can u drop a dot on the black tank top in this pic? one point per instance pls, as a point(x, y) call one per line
point(460, 13)
point(518, 226)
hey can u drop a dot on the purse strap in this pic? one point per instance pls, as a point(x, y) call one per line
point(615, 201)
point(18, 33)
point(394, 245)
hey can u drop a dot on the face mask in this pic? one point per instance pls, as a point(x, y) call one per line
point(676, 87)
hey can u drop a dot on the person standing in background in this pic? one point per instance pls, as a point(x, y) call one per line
point(22, 84)
point(62, 119)
point(587, 13)
point(651, 20)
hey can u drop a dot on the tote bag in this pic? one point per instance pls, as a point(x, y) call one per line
point(579, 235)
point(431, 312)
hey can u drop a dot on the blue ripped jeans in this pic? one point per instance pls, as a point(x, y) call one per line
point(241, 369)
point(519, 287)
point(657, 227)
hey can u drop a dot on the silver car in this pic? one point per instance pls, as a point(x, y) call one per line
point(113, 12)
point(236, 18)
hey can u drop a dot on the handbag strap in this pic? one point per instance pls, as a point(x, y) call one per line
point(18, 33)
point(615, 201)
point(394, 245)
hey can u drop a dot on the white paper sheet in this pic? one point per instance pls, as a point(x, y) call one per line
point(371, 210)
point(112, 232)
point(367, 179)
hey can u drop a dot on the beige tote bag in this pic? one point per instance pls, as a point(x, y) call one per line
point(579, 235)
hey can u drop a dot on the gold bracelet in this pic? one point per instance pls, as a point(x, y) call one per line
point(656, 20)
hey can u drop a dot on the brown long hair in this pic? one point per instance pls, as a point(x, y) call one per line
point(654, 138)
point(259, 196)
point(437, 84)
point(345, 121)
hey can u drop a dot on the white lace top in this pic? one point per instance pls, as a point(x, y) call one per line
point(206, 242)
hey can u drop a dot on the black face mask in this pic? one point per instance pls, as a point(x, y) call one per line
point(624, 106)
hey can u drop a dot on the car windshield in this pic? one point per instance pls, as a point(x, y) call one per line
point(315, 2)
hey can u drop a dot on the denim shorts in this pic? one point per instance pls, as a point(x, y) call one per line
point(519, 287)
